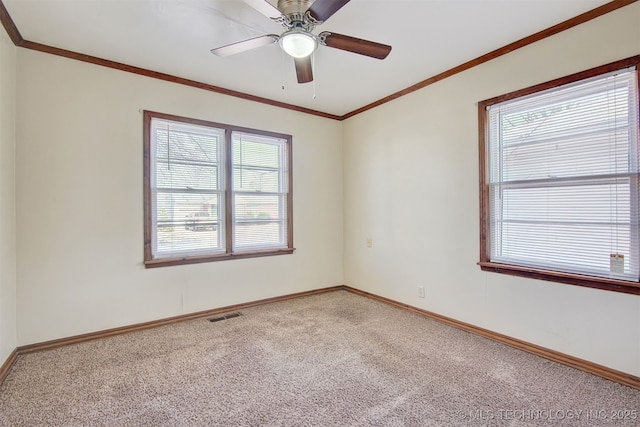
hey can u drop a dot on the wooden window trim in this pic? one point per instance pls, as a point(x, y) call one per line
point(151, 262)
point(485, 262)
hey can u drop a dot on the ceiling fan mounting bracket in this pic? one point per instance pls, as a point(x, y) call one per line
point(322, 37)
point(311, 19)
point(283, 20)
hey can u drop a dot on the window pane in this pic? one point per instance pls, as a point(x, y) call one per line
point(187, 180)
point(584, 128)
point(578, 110)
point(255, 150)
point(606, 201)
point(187, 175)
point(189, 222)
point(176, 141)
point(259, 180)
point(583, 155)
point(259, 167)
point(259, 163)
point(566, 226)
point(260, 220)
point(563, 247)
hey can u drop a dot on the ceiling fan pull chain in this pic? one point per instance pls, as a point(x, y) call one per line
point(282, 67)
point(313, 67)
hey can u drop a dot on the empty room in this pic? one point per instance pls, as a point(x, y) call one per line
point(319, 212)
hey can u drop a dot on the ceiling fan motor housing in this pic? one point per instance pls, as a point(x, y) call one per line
point(294, 9)
point(289, 7)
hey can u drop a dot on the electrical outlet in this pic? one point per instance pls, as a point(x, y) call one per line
point(421, 291)
point(369, 242)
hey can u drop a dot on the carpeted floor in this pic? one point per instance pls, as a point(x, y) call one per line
point(334, 359)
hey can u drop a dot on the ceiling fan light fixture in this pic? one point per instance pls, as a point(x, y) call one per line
point(298, 43)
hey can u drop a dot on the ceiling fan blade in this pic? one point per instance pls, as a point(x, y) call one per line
point(355, 45)
point(233, 48)
point(304, 70)
point(321, 10)
point(265, 8)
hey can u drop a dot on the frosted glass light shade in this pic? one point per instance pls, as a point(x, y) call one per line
point(298, 43)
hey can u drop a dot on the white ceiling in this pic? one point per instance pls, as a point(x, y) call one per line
point(175, 36)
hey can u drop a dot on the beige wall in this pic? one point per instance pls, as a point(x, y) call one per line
point(7, 197)
point(411, 183)
point(79, 202)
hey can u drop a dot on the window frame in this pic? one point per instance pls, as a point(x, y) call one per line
point(485, 263)
point(229, 218)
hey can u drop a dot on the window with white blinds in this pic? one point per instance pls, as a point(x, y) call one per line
point(214, 191)
point(562, 178)
point(260, 189)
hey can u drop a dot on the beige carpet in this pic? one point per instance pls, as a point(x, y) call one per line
point(334, 359)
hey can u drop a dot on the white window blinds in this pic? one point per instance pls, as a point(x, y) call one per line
point(260, 191)
point(563, 170)
point(187, 189)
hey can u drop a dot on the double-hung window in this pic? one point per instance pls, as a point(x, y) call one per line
point(560, 180)
point(214, 191)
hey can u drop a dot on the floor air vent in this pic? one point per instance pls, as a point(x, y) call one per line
point(225, 317)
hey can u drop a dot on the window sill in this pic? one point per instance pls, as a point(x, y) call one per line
point(165, 262)
point(614, 285)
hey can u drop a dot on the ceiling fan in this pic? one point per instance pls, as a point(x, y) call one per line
point(299, 18)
